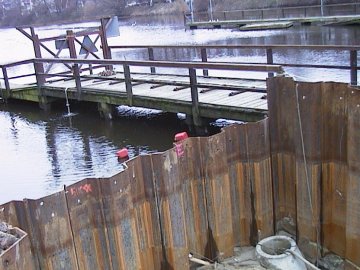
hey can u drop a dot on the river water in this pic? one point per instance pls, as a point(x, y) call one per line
point(40, 152)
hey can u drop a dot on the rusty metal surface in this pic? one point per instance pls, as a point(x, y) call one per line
point(240, 185)
point(334, 166)
point(171, 205)
point(353, 187)
point(258, 149)
point(120, 221)
point(207, 195)
point(218, 201)
point(191, 177)
point(84, 202)
point(282, 115)
point(50, 231)
point(307, 142)
point(326, 163)
point(248, 159)
point(146, 214)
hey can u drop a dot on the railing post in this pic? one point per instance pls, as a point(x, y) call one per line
point(262, 14)
point(128, 85)
point(204, 59)
point(194, 97)
point(305, 12)
point(7, 84)
point(38, 67)
point(104, 44)
point(151, 58)
point(269, 59)
point(353, 67)
point(70, 37)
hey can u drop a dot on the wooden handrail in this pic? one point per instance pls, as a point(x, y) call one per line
point(169, 64)
point(242, 46)
point(280, 8)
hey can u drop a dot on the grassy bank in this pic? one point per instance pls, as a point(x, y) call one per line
point(177, 7)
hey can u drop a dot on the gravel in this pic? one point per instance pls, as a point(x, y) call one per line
point(7, 237)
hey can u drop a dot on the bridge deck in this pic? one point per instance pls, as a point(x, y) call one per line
point(345, 19)
point(217, 91)
point(218, 97)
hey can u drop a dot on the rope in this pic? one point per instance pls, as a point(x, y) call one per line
point(306, 168)
point(1, 90)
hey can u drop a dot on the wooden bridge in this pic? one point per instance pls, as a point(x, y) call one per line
point(197, 88)
point(344, 13)
point(199, 96)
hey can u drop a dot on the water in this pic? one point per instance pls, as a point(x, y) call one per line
point(40, 152)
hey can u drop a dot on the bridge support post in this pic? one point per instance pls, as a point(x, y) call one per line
point(5, 94)
point(106, 110)
point(104, 43)
point(151, 58)
point(128, 84)
point(194, 97)
point(44, 103)
point(200, 130)
point(204, 59)
point(70, 37)
point(353, 68)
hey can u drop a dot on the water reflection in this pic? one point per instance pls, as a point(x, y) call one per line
point(40, 152)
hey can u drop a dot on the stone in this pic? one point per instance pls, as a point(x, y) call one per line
point(7, 240)
point(4, 227)
point(332, 262)
point(8, 236)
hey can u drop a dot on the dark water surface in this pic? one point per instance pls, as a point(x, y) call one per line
point(40, 152)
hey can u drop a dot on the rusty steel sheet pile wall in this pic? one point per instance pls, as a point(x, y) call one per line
point(297, 170)
point(204, 196)
point(314, 134)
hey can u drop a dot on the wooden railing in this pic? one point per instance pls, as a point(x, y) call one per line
point(276, 13)
point(269, 53)
point(77, 73)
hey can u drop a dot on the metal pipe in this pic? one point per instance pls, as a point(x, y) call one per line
point(67, 101)
point(322, 7)
point(198, 261)
point(211, 10)
point(303, 259)
point(192, 11)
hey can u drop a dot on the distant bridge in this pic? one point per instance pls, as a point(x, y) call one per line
point(347, 13)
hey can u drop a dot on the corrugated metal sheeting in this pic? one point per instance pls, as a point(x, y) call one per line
point(204, 196)
point(315, 148)
point(207, 195)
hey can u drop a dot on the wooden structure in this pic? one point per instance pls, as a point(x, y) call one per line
point(199, 95)
point(269, 53)
point(345, 13)
point(297, 171)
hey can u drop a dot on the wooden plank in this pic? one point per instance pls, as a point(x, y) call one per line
point(266, 26)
